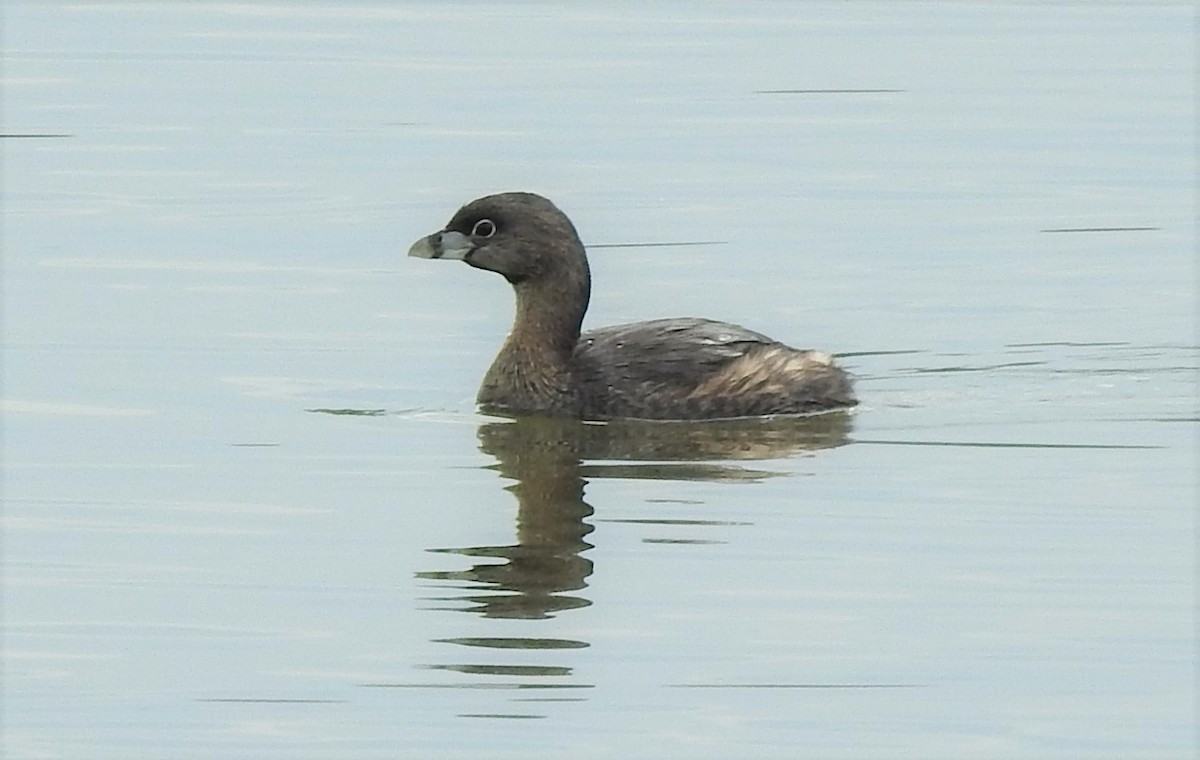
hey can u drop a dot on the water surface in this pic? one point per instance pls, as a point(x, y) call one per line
point(250, 510)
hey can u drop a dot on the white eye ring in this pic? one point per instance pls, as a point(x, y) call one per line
point(484, 228)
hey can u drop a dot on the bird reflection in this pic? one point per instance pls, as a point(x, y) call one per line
point(550, 461)
point(545, 564)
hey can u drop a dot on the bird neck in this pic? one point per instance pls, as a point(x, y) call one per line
point(548, 318)
point(534, 371)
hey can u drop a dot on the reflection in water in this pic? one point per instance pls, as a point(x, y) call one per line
point(544, 571)
point(546, 458)
point(545, 563)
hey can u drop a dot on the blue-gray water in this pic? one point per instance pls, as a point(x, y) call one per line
point(249, 510)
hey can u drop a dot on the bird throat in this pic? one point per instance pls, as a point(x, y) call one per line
point(534, 369)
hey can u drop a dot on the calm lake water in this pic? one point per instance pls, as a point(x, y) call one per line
point(250, 510)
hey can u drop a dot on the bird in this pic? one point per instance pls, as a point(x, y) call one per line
point(663, 369)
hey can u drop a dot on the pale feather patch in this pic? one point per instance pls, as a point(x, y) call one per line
point(775, 370)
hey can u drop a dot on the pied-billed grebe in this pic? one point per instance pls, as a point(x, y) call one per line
point(665, 369)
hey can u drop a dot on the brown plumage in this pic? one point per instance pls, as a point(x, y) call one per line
point(666, 369)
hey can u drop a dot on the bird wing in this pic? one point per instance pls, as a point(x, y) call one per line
point(666, 351)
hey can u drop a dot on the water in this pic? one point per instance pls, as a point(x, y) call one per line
point(250, 510)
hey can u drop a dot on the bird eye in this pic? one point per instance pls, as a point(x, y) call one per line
point(484, 228)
